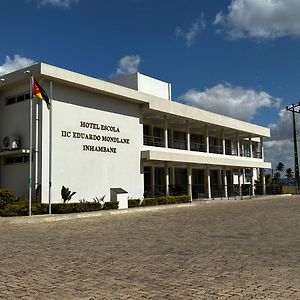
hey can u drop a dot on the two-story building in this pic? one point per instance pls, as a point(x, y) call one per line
point(125, 134)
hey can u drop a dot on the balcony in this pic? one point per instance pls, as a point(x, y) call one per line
point(154, 141)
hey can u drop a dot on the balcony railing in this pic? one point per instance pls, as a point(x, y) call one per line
point(154, 141)
point(231, 151)
point(178, 144)
point(257, 154)
point(215, 149)
point(198, 147)
point(246, 153)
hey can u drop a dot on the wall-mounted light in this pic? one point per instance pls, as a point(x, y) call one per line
point(27, 72)
point(2, 80)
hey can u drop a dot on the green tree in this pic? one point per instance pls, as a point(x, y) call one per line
point(276, 177)
point(280, 167)
point(289, 174)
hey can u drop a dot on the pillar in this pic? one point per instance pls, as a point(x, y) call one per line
point(251, 147)
point(167, 179)
point(207, 139)
point(188, 136)
point(262, 148)
point(207, 177)
point(189, 180)
point(252, 182)
point(223, 142)
point(225, 183)
point(263, 181)
point(238, 146)
point(166, 131)
point(239, 181)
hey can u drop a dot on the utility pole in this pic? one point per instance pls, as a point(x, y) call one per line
point(292, 108)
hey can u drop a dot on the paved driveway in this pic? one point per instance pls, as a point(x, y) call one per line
point(236, 250)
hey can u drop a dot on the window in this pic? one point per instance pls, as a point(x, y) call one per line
point(19, 159)
point(18, 98)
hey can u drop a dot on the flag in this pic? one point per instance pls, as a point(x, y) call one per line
point(38, 92)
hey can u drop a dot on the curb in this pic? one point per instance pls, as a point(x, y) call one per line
point(62, 217)
point(96, 214)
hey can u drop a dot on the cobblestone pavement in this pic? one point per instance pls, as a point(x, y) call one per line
point(236, 250)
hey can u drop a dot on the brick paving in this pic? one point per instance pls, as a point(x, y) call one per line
point(235, 250)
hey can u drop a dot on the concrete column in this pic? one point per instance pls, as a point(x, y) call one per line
point(263, 181)
point(166, 131)
point(188, 136)
point(238, 146)
point(251, 147)
point(262, 148)
point(207, 139)
point(207, 176)
point(189, 180)
point(220, 177)
point(252, 182)
point(223, 141)
point(225, 182)
point(239, 181)
point(167, 178)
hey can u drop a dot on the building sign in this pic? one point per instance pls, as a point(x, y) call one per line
point(100, 133)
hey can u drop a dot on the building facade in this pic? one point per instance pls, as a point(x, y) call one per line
point(125, 134)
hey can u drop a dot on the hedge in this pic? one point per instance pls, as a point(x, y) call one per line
point(6, 198)
point(21, 209)
point(134, 203)
point(166, 200)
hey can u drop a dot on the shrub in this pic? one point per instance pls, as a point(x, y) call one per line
point(111, 205)
point(14, 210)
point(134, 202)
point(6, 198)
point(165, 200)
point(66, 194)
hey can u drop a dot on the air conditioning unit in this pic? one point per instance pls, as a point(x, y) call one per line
point(11, 143)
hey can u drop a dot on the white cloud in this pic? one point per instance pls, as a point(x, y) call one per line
point(229, 100)
point(262, 19)
point(191, 34)
point(15, 63)
point(60, 3)
point(128, 64)
point(280, 150)
point(280, 147)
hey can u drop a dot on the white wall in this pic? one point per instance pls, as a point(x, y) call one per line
point(14, 121)
point(153, 86)
point(145, 84)
point(91, 173)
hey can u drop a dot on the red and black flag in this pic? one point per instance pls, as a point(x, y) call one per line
point(38, 92)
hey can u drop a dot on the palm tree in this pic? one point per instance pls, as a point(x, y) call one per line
point(280, 167)
point(289, 174)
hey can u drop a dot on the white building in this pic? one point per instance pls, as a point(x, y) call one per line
point(127, 134)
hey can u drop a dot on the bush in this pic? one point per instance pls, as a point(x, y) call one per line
point(134, 203)
point(165, 200)
point(14, 210)
point(21, 208)
point(6, 198)
point(111, 205)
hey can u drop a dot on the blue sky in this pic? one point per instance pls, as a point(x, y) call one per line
point(235, 57)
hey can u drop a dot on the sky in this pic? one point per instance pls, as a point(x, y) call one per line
point(240, 58)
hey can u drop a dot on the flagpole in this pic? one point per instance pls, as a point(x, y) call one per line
point(36, 150)
point(50, 147)
point(30, 150)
